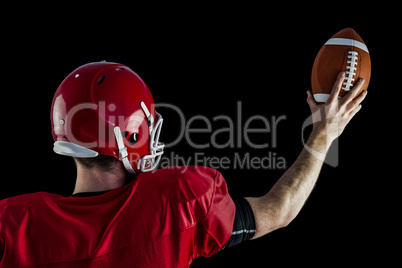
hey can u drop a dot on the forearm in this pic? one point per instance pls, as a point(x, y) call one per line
point(284, 201)
point(293, 188)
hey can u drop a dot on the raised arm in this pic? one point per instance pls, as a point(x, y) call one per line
point(284, 201)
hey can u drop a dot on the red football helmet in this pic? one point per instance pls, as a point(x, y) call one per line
point(106, 108)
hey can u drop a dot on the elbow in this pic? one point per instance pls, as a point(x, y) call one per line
point(282, 219)
point(283, 211)
point(285, 221)
point(270, 221)
point(269, 216)
point(283, 214)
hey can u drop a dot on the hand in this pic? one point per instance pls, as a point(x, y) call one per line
point(331, 118)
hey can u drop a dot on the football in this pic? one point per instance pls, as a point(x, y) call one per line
point(343, 52)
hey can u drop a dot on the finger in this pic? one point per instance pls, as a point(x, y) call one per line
point(355, 102)
point(310, 100)
point(354, 112)
point(353, 92)
point(337, 87)
point(360, 98)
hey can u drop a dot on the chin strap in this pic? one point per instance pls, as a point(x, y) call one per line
point(123, 155)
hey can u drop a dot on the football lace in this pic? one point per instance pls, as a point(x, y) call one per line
point(351, 70)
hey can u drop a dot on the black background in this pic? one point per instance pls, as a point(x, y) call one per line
point(204, 59)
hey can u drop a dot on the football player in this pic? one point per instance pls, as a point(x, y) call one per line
point(121, 214)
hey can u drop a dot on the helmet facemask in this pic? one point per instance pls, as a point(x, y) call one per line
point(148, 162)
point(151, 161)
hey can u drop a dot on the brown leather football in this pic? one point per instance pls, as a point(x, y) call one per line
point(343, 52)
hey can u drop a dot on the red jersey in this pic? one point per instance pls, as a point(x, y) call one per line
point(164, 218)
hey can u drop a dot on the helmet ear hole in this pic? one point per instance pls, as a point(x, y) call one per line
point(101, 80)
point(124, 134)
point(132, 140)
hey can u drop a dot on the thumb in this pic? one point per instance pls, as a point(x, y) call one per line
point(310, 100)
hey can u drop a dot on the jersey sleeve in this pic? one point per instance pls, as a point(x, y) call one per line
point(1, 246)
point(217, 226)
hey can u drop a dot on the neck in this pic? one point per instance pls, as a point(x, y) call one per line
point(98, 180)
